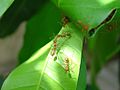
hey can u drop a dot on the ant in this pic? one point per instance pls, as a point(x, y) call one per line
point(68, 66)
point(54, 47)
point(63, 35)
point(65, 20)
point(66, 62)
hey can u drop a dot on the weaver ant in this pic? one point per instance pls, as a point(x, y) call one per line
point(68, 67)
point(66, 62)
point(59, 36)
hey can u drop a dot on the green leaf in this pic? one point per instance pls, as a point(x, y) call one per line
point(4, 5)
point(40, 29)
point(20, 10)
point(47, 71)
point(88, 14)
point(81, 85)
point(105, 44)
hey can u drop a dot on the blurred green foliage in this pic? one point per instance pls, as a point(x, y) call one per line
point(95, 18)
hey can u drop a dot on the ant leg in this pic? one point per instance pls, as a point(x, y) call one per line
point(72, 67)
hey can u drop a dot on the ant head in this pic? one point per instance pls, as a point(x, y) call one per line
point(67, 60)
